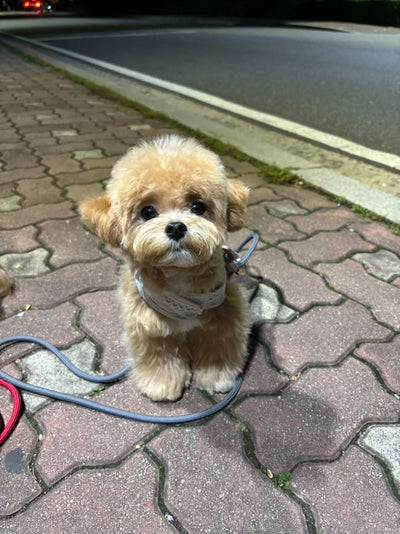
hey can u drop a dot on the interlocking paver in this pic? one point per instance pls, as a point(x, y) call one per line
point(95, 440)
point(384, 442)
point(246, 504)
point(283, 208)
point(382, 264)
point(69, 242)
point(351, 278)
point(83, 504)
point(340, 328)
point(55, 325)
point(26, 264)
point(45, 370)
point(58, 286)
point(97, 324)
point(59, 163)
point(266, 307)
point(379, 234)
point(17, 483)
point(310, 200)
point(271, 229)
point(10, 203)
point(78, 193)
point(355, 479)
point(35, 214)
point(322, 381)
point(25, 172)
point(83, 177)
point(324, 220)
point(386, 359)
point(326, 247)
point(300, 287)
point(39, 191)
point(20, 240)
point(317, 416)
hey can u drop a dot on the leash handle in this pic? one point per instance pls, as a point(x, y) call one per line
point(16, 412)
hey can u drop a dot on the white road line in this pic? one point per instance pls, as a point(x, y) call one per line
point(344, 145)
point(122, 33)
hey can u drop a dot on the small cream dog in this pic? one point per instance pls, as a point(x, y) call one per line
point(168, 206)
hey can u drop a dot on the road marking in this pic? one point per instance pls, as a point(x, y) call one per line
point(332, 141)
point(122, 33)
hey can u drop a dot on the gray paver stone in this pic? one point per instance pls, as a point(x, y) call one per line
point(45, 370)
point(265, 307)
point(384, 441)
point(283, 208)
point(10, 203)
point(382, 264)
point(310, 200)
point(26, 264)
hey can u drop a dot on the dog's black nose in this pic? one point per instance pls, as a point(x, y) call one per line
point(176, 230)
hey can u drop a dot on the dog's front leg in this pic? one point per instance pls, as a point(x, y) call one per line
point(160, 367)
point(219, 348)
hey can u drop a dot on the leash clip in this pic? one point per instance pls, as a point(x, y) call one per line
point(232, 260)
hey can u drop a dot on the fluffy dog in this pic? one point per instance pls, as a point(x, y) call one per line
point(168, 206)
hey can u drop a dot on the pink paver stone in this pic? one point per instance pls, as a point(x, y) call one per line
point(349, 496)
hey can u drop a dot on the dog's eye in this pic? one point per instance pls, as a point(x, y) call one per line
point(198, 207)
point(148, 212)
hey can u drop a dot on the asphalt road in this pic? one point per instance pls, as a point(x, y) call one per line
point(346, 84)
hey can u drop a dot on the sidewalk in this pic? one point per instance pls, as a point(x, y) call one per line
point(311, 444)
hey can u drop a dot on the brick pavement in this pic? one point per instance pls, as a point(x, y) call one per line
point(310, 445)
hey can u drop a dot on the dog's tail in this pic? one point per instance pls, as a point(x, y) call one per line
point(5, 282)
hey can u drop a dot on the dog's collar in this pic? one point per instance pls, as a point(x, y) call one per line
point(180, 307)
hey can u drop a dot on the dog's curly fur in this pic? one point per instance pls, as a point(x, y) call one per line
point(165, 183)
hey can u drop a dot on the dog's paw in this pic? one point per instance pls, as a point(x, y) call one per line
point(164, 386)
point(215, 380)
point(162, 392)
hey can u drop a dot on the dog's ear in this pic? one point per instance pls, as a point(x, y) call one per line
point(238, 194)
point(97, 214)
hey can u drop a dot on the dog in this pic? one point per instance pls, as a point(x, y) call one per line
point(168, 206)
point(6, 283)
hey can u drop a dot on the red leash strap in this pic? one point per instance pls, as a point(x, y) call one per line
point(16, 397)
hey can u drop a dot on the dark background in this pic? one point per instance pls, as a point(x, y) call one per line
point(383, 12)
point(379, 12)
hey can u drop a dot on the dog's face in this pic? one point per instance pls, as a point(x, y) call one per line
point(168, 203)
